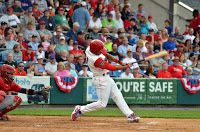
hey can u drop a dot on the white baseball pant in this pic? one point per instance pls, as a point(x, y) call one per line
point(106, 87)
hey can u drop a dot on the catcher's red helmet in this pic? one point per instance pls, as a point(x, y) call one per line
point(97, 45)
point(5, 70)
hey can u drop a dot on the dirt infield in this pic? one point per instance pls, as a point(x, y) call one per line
point(96, 124)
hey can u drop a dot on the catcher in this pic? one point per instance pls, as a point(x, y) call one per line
point(10, 102)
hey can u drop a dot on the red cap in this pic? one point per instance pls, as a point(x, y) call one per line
point(139, 14)
point(35, 3)
point(150, 16)
point(10, 9)
point(42, 22)
point(180, 45)
point(171, 51)
point(60, 9)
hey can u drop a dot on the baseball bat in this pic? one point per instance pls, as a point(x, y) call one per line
point(157, 55)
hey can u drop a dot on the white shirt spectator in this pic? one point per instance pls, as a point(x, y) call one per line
point(123, 75)
point(11, 20)
point(51, 67)
point(189, 62)
point(153, 26)
point(119, 23)
point(144, 49)
point(114, 14)
point(89, 73)
point(189, 37)
point(129, 60)
point(97, 23)
point(40, 54)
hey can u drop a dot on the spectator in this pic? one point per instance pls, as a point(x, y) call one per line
point(29, 32)
point(11, 19)
point(108, 44)
point(136, 73)
point(71, 10)
point(50, 23)
point(168, 27)
point(133, 25)
point(166, 59)
point(176, 70)
point(10, 61)
point(12, 32)
point(2, 44)
point(61, 20)
point(196, 49)
point(73, 32)
point(150, 51)
point(140, 44)
point(51, 66)
point(179, 51)
point(195, 22)
point(30, 68)
point(63, 56)
point(19, 71)
point(182, 61)
point(118, 21)
point(171, 55)
point(39, 69)
point(111, 5)
point(42, 5)
point(150, 72)
point(50, 51)
point(40, 51)
point(99, 9)
point(79, 65)
point(67, 67)
point(80, 39)
point(61, 71)
point(3, 27)
point(70, 43)
point(56, 38)
point(61, 46)
point(122, 49)
point(95, 21)
point(164, 35)
point(115, 11)
point(192, 60)
point(103, 16)
point(82, 16)
point(23, 45)
point(17, 10)
point(152, 25)
point(133, 38)
point(157, 64)
point(45, 42)
point(139, 11)
point(28, 55)
point(17, 54)
point(76, 52)
point(34, 43)
point(9, 43)
point(114, 52)
point(29, 18)
point(85, 72)
point(36, 12)
point(130, 59)
point(196, 72)
point(50, 9)
point(187, 27)
point(94, 34)
point(42, 31)
point(189, 73)
point(125, 12)
point(196, 41)
point(70, 61)
point(26, 4)
point(152, 37)
point(109, 23)
point(190, 36)
point(188, 44)
point(144, 25)
point(127, 74)
point(170, 44)
point(179, 37)
point(119, 40)
point(143, 39)
point(104, 35)
point(164, 73)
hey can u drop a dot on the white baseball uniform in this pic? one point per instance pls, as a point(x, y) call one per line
point(105, 86)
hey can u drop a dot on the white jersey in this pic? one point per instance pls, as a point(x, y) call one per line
point(11, 20)
point(91, 59)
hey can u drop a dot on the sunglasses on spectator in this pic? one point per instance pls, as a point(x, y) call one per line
point(58, 31)
point(21, 66)
point(11, 73)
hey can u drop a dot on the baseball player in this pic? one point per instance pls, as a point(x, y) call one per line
point(96, 56)
point(10, 102)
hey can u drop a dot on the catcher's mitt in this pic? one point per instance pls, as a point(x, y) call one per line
point(45, 91)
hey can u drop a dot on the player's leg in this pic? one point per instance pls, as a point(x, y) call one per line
point(103, 87)
point(9, 104)
point(116, 95)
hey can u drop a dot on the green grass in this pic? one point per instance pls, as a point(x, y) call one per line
point(110, 113)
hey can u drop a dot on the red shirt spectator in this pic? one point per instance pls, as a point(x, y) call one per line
point(179, 51)
point(162, 74)
point(76, 52)
point(196, 20)
point(18, 73)
point(36, 12)
point(127, 23)
point(24, 44)
point(176, 70)
point(28, 55)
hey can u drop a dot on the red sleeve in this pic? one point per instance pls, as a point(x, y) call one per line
point(104, 53)
point(169, 69)
point(82, 52)
point(71, 52)
point(71, 12)
point(32, 56)
point(39, 12)
point(15, 87)
point(148, 38)
point(158, 75)
point(104, 65)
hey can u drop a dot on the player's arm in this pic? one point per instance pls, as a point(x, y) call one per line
point(113, 59)
point(105, 65)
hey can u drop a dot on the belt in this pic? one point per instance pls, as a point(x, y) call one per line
point(103, 74)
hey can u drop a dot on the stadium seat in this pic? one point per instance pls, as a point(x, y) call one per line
point(3, 57)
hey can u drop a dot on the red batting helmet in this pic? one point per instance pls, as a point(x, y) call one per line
point(5, 70)
point(97, 45)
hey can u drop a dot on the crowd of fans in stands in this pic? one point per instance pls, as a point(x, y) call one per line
point(49, 37)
